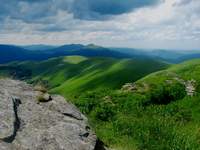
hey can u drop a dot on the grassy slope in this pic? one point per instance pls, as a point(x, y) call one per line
point(185, 111)
point(107, 73)
point(74, 74)
point(156, 116)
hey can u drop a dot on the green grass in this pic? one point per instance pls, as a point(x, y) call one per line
point(157, 118)
point(75, 74)
point(74, 59)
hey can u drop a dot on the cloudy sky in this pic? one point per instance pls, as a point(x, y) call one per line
point(169, 24)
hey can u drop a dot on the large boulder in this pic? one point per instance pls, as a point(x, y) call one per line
point(54, 125)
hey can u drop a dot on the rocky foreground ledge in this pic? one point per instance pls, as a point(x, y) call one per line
point(27, 125)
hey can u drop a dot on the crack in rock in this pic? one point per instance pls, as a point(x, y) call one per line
point(72, 116)
point(16, 123)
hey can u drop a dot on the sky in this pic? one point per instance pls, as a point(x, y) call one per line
point(166, 24)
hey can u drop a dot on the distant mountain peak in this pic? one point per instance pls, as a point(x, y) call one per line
point(93, 46)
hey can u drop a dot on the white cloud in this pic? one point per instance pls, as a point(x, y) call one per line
point(172, 24)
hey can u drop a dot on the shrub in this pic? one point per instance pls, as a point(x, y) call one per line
point(164, 94)
point(87, 102)
point(105, 111)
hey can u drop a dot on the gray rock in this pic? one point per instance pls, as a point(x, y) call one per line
point(26, 125)
point(47, 97)
point(6, 114)
point(44, 97)
point(190, 87)
point(129, 87)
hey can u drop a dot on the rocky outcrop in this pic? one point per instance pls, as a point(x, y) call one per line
point(27, 125)
point(129, 87)
point(133, 87)
point(190, 87)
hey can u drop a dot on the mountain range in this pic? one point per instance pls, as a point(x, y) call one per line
point(10, 53)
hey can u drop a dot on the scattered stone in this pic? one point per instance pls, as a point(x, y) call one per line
point(190, 87)
point(40, 88)
point(135, 87)
point(129, 87)
point(47, 97)
point(44, 97)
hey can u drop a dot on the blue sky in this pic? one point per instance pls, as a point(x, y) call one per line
point(168, 24)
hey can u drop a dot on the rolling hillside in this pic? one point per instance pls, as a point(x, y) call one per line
point(74, 74)
point(159, 111)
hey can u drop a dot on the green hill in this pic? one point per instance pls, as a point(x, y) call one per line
point(75, 74)
point(159, 111)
